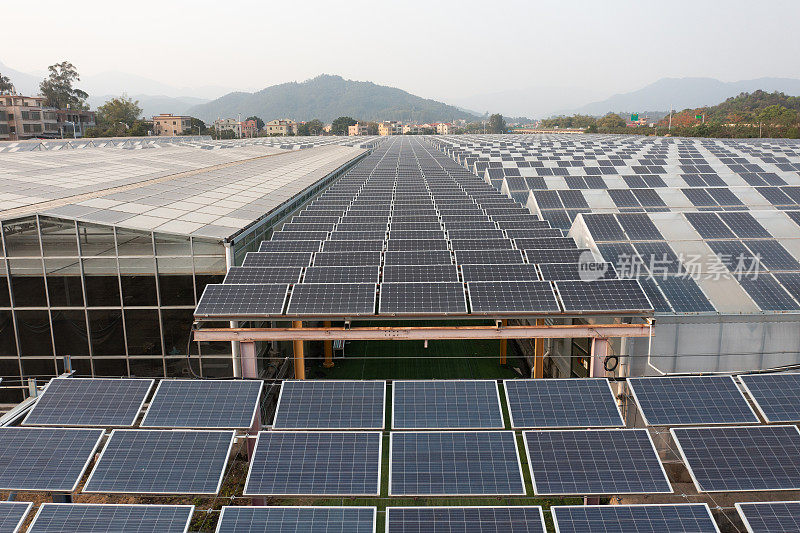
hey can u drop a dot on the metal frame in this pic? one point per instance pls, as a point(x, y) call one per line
point(117, 505)
point(433, 508)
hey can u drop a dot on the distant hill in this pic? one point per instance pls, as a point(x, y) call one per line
point(153, 105)
point(327, 97)
point(683, 93)
point(773, 109)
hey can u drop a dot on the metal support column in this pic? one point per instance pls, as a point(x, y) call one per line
point(247, 352)
point(538, 354)
point(328, 350)
point(299, 358)
point(503, 346)
point(600, 349)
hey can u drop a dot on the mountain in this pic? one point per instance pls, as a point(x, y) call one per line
point(25, 83)
point(683, 93)
point(153, 105)
point(327, 97)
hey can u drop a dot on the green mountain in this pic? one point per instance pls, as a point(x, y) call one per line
point(327, 97)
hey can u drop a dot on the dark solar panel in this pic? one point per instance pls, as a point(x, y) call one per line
point(488, 257)
point(240, 519)
point(561, 403)
point(277, 259)
point(289, 246)
point(673, 401)
point(89, 402)
point(12, 514)
point(604, 227)
point(772, 255)
point(770, 517)
point(777, 396)
point(45, 459)
point(655, 518)
point(585, 271)
point(347, 258)
point(457, 463)
point(421, 257)
point(742, 458)
point(332, 299)
point(517, 519)
point(544, 255)
point(416, 273)
point(149, 461)
point(505, 272)
point(250, 275)
point(242, 299)
point(321, 463)
point(109, 518)
point(639, 227)
point(709, 226)
point(446, 404)
point(497, 297)
point(744, 225)
point(422, 298)
point(768, 293)
point(684, 294)
point(207, 403)
point(594, 462)
point(342, 274)
point(330, 404)
point(602, 295)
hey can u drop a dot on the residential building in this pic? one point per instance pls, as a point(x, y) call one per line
point(444, 128)
point(249, 128)
point(26, 117)
point(281, 126)
point(73, 122)
point(169, 124)
point(359, 128)
point(391, 127)
point(228, 124)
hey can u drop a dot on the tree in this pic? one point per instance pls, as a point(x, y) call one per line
point(496, 124)
point(312, 127)
point(5, 84)
point(340, 125)
point(610, 122)
point(259, 122)
point(57, 88)
point(122, 109)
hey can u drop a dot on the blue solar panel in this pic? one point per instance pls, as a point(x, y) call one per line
point(518, 519)
point(12, 514)
point(457, 463)
point(162, 462)
point(554, 403)
point(674, 401)
point(770, 517)
point(89, 402)
point(107, 518)
point(45, 459)
point(741, 458)
point(297, 519)
point(446, 404)
point(207, 403)
point(657, 518)
point(594, 462)
point(315, 463)
point(331, 404)
point(777, 396)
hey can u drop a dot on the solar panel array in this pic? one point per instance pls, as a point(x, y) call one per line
point(673, 200)
point(408, 232)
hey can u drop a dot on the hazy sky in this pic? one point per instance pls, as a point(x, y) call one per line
point(439, 49)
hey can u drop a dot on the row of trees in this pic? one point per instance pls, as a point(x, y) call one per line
point(57, 88)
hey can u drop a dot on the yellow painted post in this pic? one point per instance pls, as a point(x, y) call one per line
point(328, 351)
point(503, 346)
point(538, 357)
point(299, 358)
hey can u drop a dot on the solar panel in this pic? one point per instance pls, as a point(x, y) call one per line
point(684, 294)
point(744, 225)
point(353, 246)
point(488, 257)
point(289, 246)
point(242, 300)
point(12, 514)
point(497, 297)
point(277, 259)
point(505, 272)
point(674, 401)
point(45, 459)
point(554, 255)
point(347, 258)
point(332, 299)
point(517, 519)
point(342, 274)
point(770, 517)
point(421, 257)
point(767, 293)
point(329, 519)
point(108, 518)
point(646, 518)
point(455, 463)
point(422, 298)
point(418, 273)
point(604, 227)
point(207, 403)
point(709, 226)
point(150, 461)
point(639, 227)
point(282, 275)
point(594, 462)
point(561, 403)
point(777, 396)
point(330, 404)
point(321, 463)
point(602, 295)
point(772, 254)
point(89, 402)
point(446, 404)
point(741, 458)
point(581, 270)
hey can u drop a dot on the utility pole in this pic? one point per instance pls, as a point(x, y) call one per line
point(669, 128)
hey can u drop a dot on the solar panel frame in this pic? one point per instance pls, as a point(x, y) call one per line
point(419, 273)
point(374, 434)
point(100, 466)
point(8, 510)
point(774, 523)
point(325, 287)
point(269, 275)
point(763, 403)
point(389, 296)
point(512, 297)
point(63, 522)
point(246, 296)
point(380, 414)
point(592, 518)
point(498, 413)
point(342, 274)
point(470, 523)
point(154, 403)
point(568, 288)
point(66, 409)
point(281, 526)
point(511, 403)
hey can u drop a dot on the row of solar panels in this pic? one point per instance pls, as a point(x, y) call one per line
point(428, 463)
point(758, 517)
